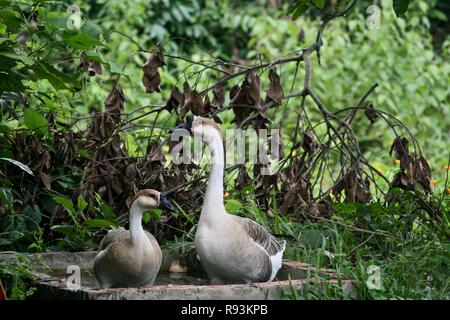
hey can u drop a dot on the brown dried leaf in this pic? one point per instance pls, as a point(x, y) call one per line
point(401, 180)
point(91, 67)
point(219, 97)
point(253, 85)
point(243, 179)
point(291, 201)
point(114, 102)
point(400, 147)
point(246, 96)
point(323, 210)
point(338, 187)
point(45, 180)
point(192, 102)
point(175, 99)
point(155, 153)
point(309, 142)
point(275, 92)
point(233, 92)
point(131, 172)
point(151, 78)
point(371, 113)
point(422, 173)
point(206, 104)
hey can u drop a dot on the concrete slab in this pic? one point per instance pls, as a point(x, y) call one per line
point(176, 281)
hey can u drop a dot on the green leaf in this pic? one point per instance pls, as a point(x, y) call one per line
point(58, 79)
point(35, 121)
point(400, 7)
point(84, 153)
point(91, 29)
point(319, 3)
point(67, 204)
point(34, 215)
point(22, 166)
point(82, 204)
point(115, 68)
point(146, 217)
point(80, 41)
point(22, 58)
point(65, 229)
point(438, 15)
point(4, 127)
point(56, 20)
point(99, 223)
point(233, 206)
point(186, 215)
point(300, 9)
point(11, 18)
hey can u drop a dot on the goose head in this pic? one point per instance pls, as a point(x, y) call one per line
point(149, 199)
point(201, 128)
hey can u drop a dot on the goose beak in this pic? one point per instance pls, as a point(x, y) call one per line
point(164, 203)
point(186, 126)
point(180, 127)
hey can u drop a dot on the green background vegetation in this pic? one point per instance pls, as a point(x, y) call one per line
point(44, 91)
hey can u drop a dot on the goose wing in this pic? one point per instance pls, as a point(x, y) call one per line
point(112, 236)
point(118, 234)
point(260, 235)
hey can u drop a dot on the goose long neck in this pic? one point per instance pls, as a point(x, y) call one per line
point(136, 230)
point(214, 191)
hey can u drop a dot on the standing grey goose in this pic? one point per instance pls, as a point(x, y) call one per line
point(231, 248)
point(131, 258)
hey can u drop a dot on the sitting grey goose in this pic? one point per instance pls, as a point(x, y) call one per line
point(231, 248)
point(131, 258)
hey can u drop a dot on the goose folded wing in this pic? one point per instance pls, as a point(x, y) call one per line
point(258, 234)
point(119, 234)
point(113, 236)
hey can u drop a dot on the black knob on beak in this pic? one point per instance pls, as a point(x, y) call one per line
point(164, 203)
point(180, 126)
point(187, 126)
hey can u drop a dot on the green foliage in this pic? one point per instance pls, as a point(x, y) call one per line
point(82, 234)
point(400, 7)
point(45, 91)
point(338, 7)
point(15, 279)
point(19, 164)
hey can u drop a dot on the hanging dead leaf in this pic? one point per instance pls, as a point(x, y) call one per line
point(114, 102)
point(175, 100)
point(45, 180)
point(309, 142)
point(371, 113)
point(275, 92)
point(233, 92)
point(151, 78)
point(402, 181)
point(218, 98)
point(243, 178)
point(422, 173)
point(338, 187)
point(90, 67)
point(400, 147)
point(206, 104)
point(155, 153)
point(245, 97)
point(192, 102)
